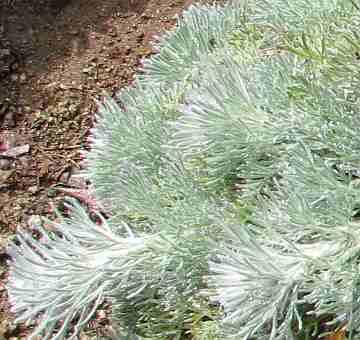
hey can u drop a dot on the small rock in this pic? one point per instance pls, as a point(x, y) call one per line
point(33, 189)
point(16, 151)
point(5, 164)
point(23, 78)
point(14, 77)
point(4, 145)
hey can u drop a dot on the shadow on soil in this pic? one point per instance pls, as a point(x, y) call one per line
point(38, 30)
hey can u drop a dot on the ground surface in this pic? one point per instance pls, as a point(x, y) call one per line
point(56, 57)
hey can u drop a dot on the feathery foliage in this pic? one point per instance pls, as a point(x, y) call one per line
point(231, 173)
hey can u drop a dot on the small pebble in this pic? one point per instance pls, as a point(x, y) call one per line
point(23, 78)
point(5, 164)
point(14, 77)
point(33, 189)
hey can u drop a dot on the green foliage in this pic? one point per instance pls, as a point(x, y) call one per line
point(231, 171)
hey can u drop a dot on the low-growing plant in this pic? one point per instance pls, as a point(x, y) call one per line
point(230, 174)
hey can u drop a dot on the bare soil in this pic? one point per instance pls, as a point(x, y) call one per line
point(56, 57)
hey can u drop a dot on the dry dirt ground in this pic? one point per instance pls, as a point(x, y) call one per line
point(56, 57)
